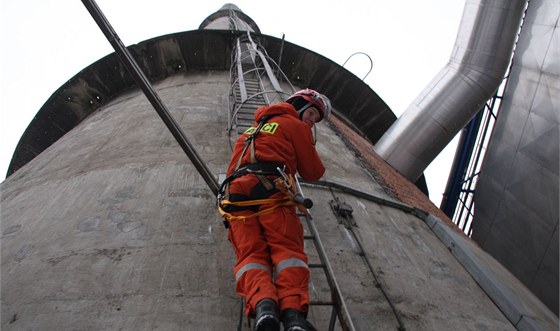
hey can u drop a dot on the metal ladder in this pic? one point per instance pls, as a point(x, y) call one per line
point(253, 84)
point(253, 81)
point(246, 89)
point(336, 301)
point(339, 310)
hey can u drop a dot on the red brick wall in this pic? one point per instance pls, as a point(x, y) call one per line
point(393, 182)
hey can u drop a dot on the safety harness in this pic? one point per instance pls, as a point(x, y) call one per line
point(260, 194)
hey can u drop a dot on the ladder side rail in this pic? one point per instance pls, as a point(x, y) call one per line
point(318, 302)
point(241, 79)
point(269, 72)
point(232, 95)
point(343, 313)
point(252, 63)
point(283, 75)
point(242, 73)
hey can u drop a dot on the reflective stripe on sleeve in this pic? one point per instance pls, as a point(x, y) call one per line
point(289, 263)
point(250, 266)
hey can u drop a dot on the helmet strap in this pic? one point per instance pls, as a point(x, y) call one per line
point(302, 109)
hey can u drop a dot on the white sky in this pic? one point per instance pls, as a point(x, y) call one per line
point(45, 43)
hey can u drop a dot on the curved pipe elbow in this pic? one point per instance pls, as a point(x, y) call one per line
point(478, 63)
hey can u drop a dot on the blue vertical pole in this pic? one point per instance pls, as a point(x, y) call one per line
point(460, 164)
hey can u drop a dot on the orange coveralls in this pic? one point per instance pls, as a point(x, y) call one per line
point(271, 262)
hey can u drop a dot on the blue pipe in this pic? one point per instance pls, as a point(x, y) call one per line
point(460, 163)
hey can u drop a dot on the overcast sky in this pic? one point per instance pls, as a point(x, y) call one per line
point(45, 43)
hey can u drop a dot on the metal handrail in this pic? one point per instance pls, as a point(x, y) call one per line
point(370, 62)
point(151, 94)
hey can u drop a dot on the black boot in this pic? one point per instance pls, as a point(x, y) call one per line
point(266, 318)
point(294, 320)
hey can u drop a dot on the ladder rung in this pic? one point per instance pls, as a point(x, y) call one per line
point(321, 303)
point(254, 102)
point(245, 111)
point(316, 265)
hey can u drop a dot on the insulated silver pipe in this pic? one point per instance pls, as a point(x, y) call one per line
point(478, 63)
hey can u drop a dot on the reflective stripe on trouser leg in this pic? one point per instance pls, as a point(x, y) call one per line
point(250, 266)
point(288, 263)
point(253, 269)
point(292, 282)
point(284, 234)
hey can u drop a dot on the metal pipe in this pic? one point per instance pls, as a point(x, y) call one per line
point(479, 61)
point(363, 195)
point(151, 94)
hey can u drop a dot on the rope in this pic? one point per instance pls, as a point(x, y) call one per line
point(286, 201)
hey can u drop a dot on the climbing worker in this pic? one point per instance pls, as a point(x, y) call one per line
point(266, 234)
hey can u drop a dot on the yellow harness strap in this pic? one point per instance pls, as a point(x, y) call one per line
point(224, 201)
point(286, 201)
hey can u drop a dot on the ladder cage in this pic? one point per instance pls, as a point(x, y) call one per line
point(253, 84)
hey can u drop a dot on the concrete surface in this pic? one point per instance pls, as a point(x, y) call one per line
point(112, 228)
